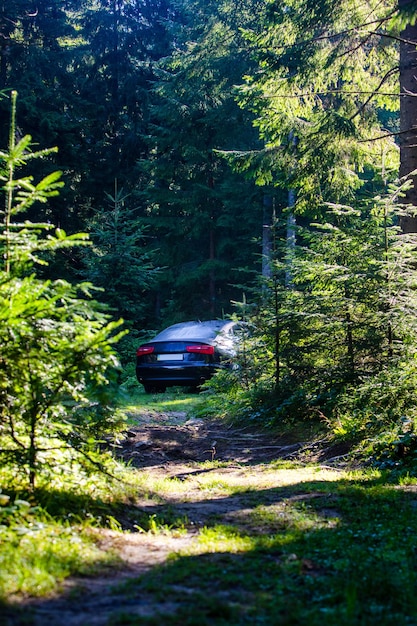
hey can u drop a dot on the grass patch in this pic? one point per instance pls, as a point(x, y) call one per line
point(37, 552)
point(290, 546)
point(140, 407)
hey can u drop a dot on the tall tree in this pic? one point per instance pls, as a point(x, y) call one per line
point(42, 48)
point(83, 72)
point(350, 66)
point(314, 64)
point(124, 40)
point(328, 76)
point(118, 262)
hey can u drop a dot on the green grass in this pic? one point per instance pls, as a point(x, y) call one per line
point(292, 546)
point(37, 552)
point(175, 400)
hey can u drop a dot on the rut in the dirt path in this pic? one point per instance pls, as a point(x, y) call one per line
point(200, 440)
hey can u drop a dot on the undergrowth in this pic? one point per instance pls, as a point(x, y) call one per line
point(38, 551)
point(53, 532)
point(376, 418)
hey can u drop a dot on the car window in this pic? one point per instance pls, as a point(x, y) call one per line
point(190, 330)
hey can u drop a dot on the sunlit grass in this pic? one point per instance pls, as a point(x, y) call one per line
point(42, 545)
point(181, 405)
point(221, 538)
point(175, 527)
point(161, 488)
point(37, 553)
point(266, 476)
point(203, 482)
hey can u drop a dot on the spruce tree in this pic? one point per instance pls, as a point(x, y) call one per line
point(57, 363)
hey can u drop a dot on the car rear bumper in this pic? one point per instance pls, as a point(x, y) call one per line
point(172, 375)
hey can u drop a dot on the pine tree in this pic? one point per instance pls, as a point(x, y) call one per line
point(57, 361)
point(325, 97)
point(119, 262)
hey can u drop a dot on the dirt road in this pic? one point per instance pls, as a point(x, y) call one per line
point(164, 445)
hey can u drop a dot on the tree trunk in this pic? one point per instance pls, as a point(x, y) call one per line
point(212, 277)
point(266, 236)
point(408, 114)
point(32, 452)
point(290, 238)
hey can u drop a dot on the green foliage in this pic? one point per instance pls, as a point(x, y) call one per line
point(202, 216)
point(335, 345)
point(335, 311)
point(83, 72)
point(118, 261)
point(58, 362)
point(43, 544)
point(37, 554)
point(320, 127)
point(379, 416)
point(146, 92)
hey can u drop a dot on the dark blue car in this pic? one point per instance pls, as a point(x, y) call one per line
point(186, 354)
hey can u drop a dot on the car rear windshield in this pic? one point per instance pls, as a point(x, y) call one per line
point(191, 331)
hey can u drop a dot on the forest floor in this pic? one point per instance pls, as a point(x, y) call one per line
point(188, 451)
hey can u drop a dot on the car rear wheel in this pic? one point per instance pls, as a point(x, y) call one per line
point(149, 388)
point(194, 389)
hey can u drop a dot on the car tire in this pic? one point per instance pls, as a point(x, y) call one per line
point(194, 389)
point(154, 388)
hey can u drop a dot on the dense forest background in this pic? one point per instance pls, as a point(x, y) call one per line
point(137, 96)
point(236, 157)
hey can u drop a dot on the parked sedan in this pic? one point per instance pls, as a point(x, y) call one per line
point(185, 354)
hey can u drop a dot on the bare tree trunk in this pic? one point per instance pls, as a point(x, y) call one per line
point(32, 451)
point(290, 237)
point(212, 277)
point(291, 223)
point(408, 114)
point(266, 236)
point(277, 338)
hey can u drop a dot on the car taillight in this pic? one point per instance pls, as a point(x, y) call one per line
point(144, 350)
point(200, 349)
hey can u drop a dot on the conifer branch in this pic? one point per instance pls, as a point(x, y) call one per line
point(372, 95)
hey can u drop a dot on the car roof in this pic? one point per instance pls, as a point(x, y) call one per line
point(194, 330)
